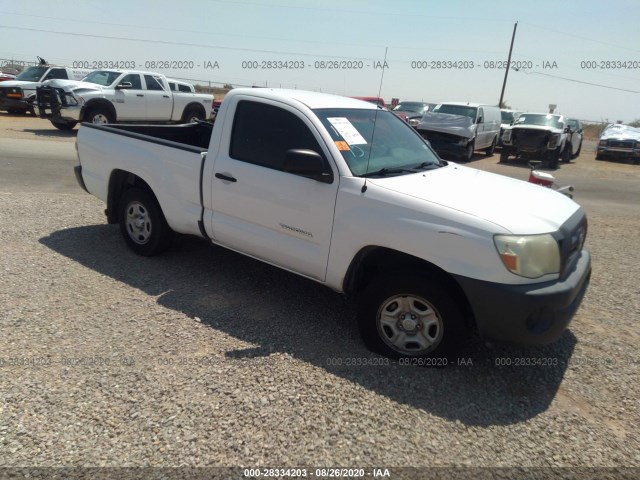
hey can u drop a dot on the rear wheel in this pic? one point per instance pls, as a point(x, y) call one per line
point(489, 151)
point(142, 223)
point(192, 114)
point(404, 315)
point(577, 154)
point(504, 155)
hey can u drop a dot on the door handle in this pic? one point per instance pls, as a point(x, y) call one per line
point(139, 95)
point(228, 178)
point(165, 96)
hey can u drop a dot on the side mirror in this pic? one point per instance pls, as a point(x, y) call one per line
point(307, 163)
point(480, 119)
point(124, 86)
point(567, 129)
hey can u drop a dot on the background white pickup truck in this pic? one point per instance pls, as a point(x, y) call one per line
point(350, 196)
point(19, 95)
point(114, 96)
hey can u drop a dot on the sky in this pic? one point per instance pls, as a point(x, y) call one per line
point(582, 56)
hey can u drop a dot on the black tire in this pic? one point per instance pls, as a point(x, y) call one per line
point(467, 156)
point(553, 159)
point(416, 299)
point(600, 157)
point(98, 115)
point(489, 151)
point(566, 153)
point(192, 114)
point(142, 223)
point(577, 154)
point(65, 126)
point(504, 155)
point(17, 111)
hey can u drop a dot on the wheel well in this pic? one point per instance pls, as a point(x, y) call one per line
point(120, 181)
point(193, 106)
point(372, 261)
point(98, 103)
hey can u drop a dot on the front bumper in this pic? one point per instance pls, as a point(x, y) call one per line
point(534, 314)
point(7, 103)
point(614, 152)
point(52, 106)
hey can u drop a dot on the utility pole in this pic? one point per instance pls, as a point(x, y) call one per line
point(506, 72)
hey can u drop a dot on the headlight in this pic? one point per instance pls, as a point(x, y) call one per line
point(602, 143)
point(463, 141)
point(506, 136)
point(530, 256)
point(414, 122)
point(553, 141)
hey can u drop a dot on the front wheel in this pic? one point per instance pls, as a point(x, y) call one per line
point(403, 315)
point(64, 126)
point(504, 155)
point(468, 153)
point(99, 116)
point(142, 223)
point(566, 153)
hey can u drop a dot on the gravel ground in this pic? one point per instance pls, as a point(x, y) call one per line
point(203, 357)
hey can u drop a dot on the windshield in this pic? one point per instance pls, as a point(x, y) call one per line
point(411, 107)
point(463, 110)
point(101, 77)
point(32, 74)
point(508, 117)
point(395, 144)
point(541, 119)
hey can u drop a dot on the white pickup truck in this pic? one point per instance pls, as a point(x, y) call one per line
point(346, 194)
point(19, 95)
point(110, 96)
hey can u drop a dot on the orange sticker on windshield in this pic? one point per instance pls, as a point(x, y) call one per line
point(342, 146)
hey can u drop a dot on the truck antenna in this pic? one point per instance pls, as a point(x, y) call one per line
point(375, 117)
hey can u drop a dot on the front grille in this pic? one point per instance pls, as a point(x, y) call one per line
point(621, 144)
point(530, 139)
point(439, 137)
point(572, 237)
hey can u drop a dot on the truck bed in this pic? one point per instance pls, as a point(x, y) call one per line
point(169, 158)
point(194, 135)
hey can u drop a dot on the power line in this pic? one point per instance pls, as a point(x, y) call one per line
point(182, 44)
point(576, 81)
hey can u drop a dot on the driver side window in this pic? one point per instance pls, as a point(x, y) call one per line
point(262, 134)
point(136, 84)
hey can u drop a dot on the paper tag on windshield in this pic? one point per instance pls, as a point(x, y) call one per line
point(346, 129)
point(342, 146)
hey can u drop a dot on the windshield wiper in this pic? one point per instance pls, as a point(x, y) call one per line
point(429, 165)
point(388, 171)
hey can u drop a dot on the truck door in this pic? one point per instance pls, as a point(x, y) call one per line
point(130, 103)
point(481, 135)
point(159, 100)
point(258, 208)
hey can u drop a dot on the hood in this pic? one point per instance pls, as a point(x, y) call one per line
point(621, 132)
point(71, 85)
point(518, 207)
point(447, 123)
point(20, 83)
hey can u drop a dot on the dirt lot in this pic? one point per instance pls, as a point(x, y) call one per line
point(203, 357)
